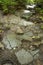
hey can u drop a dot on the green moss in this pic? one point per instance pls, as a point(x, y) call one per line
point(36, 37)
point(41, 26)
point(41, 18)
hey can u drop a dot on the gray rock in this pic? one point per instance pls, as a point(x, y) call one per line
point(19, 30)
point(26, 11)
point(27, 36)
point(10, 41)
point(1, 46)
point(26, 15)
point(25, 23)
point(24, 57)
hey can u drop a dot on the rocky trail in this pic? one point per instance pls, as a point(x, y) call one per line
point(22, 35)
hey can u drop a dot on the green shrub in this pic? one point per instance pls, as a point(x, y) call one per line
point(5, 4)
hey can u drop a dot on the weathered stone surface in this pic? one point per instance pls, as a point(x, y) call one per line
point(30, 34)
point(27, 36)
point(41, 26)
point(10, 41)
point(42, 41)
point(1, 46)
point(26, 12)
point(24, 56)
point(19, 30)
point(25, 23)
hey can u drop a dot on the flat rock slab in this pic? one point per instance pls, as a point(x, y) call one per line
point(24, 57)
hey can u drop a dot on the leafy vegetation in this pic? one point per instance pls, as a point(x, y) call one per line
point(6, 5)
point(30, 1)
point(39, 7)
point(12, 5)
